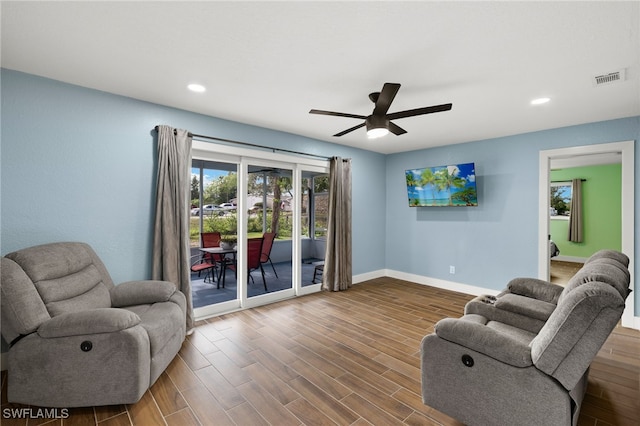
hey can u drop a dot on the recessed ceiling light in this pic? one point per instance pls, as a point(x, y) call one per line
point(198, 88)
point(540, 101)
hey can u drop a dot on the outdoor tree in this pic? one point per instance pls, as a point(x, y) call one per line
point(222, 190)
point(278, 185)
point(321, 184)
point(195, 190)
point(558, 200)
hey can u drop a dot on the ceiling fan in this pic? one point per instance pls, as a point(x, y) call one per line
point(379, 122)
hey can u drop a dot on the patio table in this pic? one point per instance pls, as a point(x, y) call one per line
point(224, 252)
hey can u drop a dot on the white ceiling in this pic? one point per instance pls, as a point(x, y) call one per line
point(268, 63)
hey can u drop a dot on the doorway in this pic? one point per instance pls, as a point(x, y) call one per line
point(553, 158)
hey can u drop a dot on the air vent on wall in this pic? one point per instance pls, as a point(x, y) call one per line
point(612, 77)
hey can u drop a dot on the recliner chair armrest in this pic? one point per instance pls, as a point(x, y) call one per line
point(483, 339)
point(491, 312)
point(527, 306)
point(93, 321)
point(536, 289)
point(132, 293)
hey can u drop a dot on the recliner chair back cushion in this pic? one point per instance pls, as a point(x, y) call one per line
point(603, 270)
point(69, 277)
point(21, 307)
point(596, 263)
point(576, 330)
point(609, 254)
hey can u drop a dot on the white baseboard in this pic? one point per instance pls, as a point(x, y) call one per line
point(369, 276)
point(570, 259)
point(420, 279)
point(634, 323)
point(438, 283)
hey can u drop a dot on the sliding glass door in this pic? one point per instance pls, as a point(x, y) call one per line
point(313, 218)
point(213, 221)
point(269, 225)
point(268, 212)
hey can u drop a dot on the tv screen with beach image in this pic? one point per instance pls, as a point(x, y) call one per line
point(442, 186)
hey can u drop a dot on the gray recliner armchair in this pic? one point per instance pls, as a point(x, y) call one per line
point(524, 360)
point(78, 340)
point(528, 302)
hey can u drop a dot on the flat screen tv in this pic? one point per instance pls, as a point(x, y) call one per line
point(442, 186)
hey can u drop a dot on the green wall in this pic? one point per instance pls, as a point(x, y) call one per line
point(602, 210)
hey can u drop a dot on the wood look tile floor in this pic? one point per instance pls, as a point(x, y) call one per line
point(562, 271)
point(348, 358)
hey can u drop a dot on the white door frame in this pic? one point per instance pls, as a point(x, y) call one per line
point(626, 148)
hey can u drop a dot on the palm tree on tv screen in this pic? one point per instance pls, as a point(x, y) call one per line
point(428, 178)
point(447, 178)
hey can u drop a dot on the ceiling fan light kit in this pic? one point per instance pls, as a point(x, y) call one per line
point(379, 122)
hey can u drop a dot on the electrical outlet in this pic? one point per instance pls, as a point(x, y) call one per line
point(452, 269)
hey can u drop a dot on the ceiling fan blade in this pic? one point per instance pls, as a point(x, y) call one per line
point(385, 98)
point(336, 114)
point(344, 132)
point(396, 130)
point(419, 111)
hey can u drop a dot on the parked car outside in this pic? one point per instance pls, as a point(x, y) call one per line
point(227, 206)
point(208, 209)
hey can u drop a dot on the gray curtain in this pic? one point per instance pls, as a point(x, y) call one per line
point(337, 274)
point(575, 217)
point(171, 251)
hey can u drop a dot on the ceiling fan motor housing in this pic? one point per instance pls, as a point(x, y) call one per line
point(377, 122)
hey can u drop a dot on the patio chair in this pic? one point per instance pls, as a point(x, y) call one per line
point(317, 270)
point(203, 264)
point(254, 252)
point(208, 240)
point(267, 244)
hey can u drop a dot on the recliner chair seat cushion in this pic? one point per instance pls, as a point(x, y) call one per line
point(522, 336)
point(156, 319)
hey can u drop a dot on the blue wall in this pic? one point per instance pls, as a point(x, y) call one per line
point(79, 165)
point(498, 240)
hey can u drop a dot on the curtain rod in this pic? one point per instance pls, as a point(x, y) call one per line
point(193, 135)
point(566, 180)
